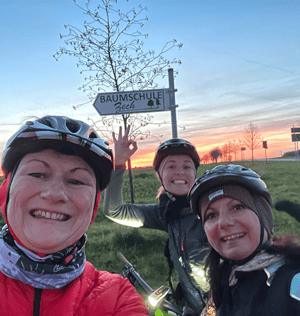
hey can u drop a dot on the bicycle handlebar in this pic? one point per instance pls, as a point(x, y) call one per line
point(143, 284)
point(131, 269)
point(123, 259)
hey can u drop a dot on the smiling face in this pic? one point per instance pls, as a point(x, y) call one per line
point(177, 173)
point(51, 200)
point(232, 229)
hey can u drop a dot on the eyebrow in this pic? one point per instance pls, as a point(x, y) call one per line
point(38, 160)
point(229, 203)
point(183, 161)
point(81, 168)
point(48, 166)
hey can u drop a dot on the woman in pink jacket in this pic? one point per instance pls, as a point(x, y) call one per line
point(55, 169)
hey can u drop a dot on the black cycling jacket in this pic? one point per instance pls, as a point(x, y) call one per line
point(187, 240)
point(269, 291)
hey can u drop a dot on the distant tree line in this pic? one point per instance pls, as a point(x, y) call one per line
point(291, 154)
point(231, 150)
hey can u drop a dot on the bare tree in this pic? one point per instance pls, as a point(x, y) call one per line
point(235, 148)
point(109, 49)
point(230, 150)
point(241, 146)
point(224, 151)
point(252, 138)
point(206, 158)
point(227, 151)
point(215, 154)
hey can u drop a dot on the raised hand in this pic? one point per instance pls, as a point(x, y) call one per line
point(124, 147)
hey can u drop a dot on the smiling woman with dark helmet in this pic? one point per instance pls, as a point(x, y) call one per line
point(251, 272)
point(175, 162)
point(55, 169)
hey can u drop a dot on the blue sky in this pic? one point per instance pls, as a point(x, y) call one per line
point(240, 64)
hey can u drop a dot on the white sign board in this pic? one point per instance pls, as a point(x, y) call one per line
point(132, 102)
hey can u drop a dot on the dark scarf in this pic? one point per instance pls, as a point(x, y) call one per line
point(170, 206)
point(51, 272)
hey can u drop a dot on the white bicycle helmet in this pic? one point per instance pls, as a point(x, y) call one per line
point(59, 132)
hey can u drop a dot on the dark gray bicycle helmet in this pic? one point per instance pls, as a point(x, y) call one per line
point(227, 174)
point(175, 146)
point(58, 132)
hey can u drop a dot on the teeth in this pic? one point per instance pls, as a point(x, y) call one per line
point(233, 236)
point(50, 215)
point(179, 181)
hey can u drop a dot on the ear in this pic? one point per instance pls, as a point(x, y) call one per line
point(158, 177)
point(265, 235)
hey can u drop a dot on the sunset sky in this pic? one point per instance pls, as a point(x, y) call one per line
point(240, 64)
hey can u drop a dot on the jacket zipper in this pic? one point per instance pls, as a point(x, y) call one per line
point(37, 301)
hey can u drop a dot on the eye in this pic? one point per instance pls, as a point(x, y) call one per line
point(187, 167)
point(171, 167)
point(75, 182)
point(210, 216)
point(238, 207)
point(36, 175)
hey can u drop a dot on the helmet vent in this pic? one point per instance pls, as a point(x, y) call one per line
point(72, 126)
point(48, 123)
point(93, 135)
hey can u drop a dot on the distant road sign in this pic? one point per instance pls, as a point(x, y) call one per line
point(265, 144)
point(295, 137)
point(295, 129)
point(132, 102)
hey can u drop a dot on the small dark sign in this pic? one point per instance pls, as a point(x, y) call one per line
point(295, 129)
point(265, 145)
point(295, 137)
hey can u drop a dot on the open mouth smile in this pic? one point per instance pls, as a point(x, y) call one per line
point(179, 182)
point(233, 237)
point(37, 213)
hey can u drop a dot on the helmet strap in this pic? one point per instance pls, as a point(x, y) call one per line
point(12, 175)
point(161, 181)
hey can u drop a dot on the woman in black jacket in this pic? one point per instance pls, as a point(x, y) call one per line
point(251, 273)
point(176, 162)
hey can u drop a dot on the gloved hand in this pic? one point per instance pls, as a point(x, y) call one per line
point(289, 207)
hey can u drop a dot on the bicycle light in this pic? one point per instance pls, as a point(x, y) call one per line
point(158, 295)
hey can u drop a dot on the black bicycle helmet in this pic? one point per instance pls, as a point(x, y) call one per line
point(175, 146)
point(55, 132)
point(227, 174)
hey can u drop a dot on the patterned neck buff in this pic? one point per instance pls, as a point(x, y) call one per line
point(259, 262)
point(50, 272)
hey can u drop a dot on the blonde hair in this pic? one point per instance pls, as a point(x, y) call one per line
point(160, 191)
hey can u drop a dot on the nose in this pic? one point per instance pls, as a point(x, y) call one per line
point(180, 171)
point(225, 220)
point(54, 192)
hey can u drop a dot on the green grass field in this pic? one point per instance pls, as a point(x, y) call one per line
point(144, 247)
